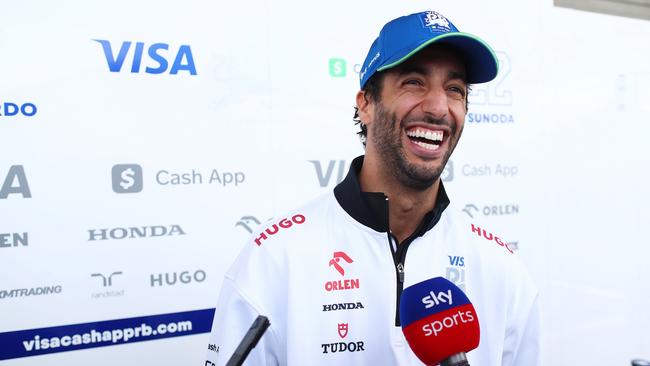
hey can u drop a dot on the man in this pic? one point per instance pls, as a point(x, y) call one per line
point(329, 275)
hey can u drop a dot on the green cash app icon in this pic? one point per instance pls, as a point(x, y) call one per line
point(337, 67)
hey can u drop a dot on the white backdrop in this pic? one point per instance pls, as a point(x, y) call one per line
point(258, 119)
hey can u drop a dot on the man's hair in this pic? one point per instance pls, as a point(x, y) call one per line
point(372, 90)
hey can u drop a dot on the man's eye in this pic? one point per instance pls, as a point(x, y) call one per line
point(458, 90)
point(412, 82)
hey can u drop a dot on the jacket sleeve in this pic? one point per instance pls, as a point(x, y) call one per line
point(526, 342)
point(233, 317)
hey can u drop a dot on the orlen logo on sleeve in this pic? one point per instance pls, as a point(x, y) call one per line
point(282, 224)
point(437, 317)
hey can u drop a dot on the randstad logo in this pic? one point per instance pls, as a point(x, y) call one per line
point(157, 60)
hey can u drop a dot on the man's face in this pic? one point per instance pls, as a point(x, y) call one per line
point(418, 121)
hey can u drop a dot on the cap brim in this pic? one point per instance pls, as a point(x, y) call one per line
point(480, 60)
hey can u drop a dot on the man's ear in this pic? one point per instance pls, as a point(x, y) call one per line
point(366, 109)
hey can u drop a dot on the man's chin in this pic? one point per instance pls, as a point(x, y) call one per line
point(418, 177)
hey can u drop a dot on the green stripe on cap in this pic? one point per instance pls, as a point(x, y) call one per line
point(434, 39)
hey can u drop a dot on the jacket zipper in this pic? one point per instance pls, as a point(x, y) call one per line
point(400, 287)
point(399, 257)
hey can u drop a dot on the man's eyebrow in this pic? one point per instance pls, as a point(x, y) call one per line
point(416, 69)
point(411, 69)
point(457, 75)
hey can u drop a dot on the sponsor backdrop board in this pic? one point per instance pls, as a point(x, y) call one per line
point(141, 144)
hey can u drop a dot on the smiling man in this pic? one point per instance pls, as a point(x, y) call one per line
point(329, 275)
point(415, 123)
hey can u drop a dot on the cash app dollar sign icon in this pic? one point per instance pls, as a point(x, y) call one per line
point(337, 67)
point(127, 178)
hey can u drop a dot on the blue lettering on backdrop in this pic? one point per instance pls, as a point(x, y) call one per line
point(183, 61)
point(9, 109)
point(114, 64)
point(137, 58)
point(158, 58)
point(490, 118)
point(178, 65)
point(495, 94)
point(32, 342)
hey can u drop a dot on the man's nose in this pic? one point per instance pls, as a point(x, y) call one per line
point(435, 103)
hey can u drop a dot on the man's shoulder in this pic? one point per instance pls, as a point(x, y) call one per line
point(267, 250)
point(477, 234)
point(281, 230)
point(493, 249)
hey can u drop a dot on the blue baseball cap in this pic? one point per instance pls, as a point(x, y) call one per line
point(403, 37)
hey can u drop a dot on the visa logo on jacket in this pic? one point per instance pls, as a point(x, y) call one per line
point(158, 55)
point(456, 260)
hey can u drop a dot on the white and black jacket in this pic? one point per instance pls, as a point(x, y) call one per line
point(329, 278)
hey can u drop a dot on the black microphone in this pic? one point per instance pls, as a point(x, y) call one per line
point(250, 340)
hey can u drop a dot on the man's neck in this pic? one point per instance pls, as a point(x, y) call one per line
point(407, 206)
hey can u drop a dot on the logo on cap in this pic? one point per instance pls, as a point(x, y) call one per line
point(369, 64)
point(435, 21)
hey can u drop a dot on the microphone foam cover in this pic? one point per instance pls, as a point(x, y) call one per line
point(438, 320)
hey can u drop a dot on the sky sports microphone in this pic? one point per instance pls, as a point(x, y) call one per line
point(439, 322)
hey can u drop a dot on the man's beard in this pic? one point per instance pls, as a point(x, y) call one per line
point(386, 135)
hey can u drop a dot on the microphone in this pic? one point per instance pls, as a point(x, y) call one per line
point(249, 341)
point(439, 322)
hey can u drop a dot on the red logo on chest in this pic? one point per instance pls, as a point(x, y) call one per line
point(337, 258)
point(343, 330)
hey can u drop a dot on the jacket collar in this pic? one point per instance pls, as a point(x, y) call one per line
point(371, 208)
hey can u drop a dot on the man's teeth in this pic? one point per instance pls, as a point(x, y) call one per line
point(426, 134)
point(427, 146)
